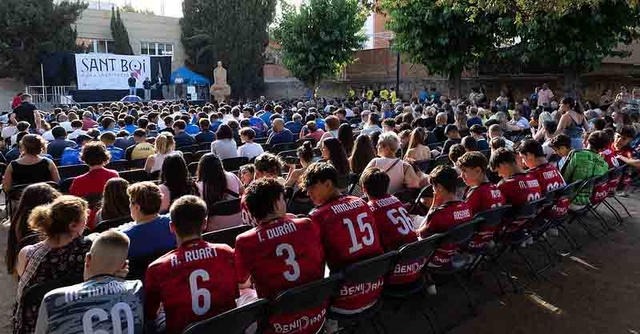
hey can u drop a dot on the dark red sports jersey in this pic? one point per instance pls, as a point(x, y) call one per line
point(482, 198)
point(349, 234)
point(247, 217)
point(278, 256)
point(610, 157)
point(194, 282)
point(625, 151)
point(442, 219)
point(519, 189)
point(548, 176)
point(396, 230)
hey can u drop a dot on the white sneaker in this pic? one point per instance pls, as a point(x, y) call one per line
point(431, 290)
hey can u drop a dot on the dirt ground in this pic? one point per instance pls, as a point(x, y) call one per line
point(594, 290)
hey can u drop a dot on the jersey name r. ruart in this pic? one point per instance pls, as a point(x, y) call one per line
point(396, 230)
point(349, 234)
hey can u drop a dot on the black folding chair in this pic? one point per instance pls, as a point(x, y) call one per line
point(277, 148)
point(138, 265)
point(261, 140)
point(558, 214)
point(224, 209)
point(188, 157)
point(193, 168)
point(188, 148)
point(138, 163)
point(300, 203)
point(460, 235)
point(134, 176)
point(118, 165)
point(198, 155)
point(354, 185)
point(204, 147)
point(72, 171)
point(370, 271)
point(29, 240)
point(226, 236)
point(35, 293)
point(287, 154)
point(111, 223)
point(615, 178)
point(65, 185)
point(407, 195)
point(16, 192)
point(305, 297)
point(234, 163)
point(410, 253)
point(234, 321)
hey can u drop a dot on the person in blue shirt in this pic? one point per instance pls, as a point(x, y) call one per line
point(205, 135)
point(257, 124)
point(129, 125)
point(435, 95)
point(60, 142)
point(295, 126)
point(266, 115)
point(148, 224)
point(424, 95)
point(123, 140)
point(215, 121)
point(181, 137)
point(108, 139)
point(71, 155)
point(280, 134)
point(192, 128)
point(474, 119)
point(108, 124)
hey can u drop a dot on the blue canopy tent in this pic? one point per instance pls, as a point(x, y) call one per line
point(184, 77)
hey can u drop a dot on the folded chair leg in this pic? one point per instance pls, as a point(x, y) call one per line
point(613, 211)
point(603, 222)
point(464, 288)
point(432, 324)
point(623, 206)
point(586, 228)
point(567, 235)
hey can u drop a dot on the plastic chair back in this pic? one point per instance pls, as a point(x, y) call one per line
point(234, 163)
point(118, 165)
point(419, 249)
point(112, 223)
point(234, 321)
point(370, 270)
point(307, 296)
point(226, 236)
point(138, 265)
point(133, 176)
point(65, 185)
point(72, 171)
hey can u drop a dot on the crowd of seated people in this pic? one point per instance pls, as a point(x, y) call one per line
point(465, 153)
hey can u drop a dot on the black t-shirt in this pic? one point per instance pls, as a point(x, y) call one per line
point(26, 112)
point(132, 82)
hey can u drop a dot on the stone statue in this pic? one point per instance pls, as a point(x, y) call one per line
point(220, 89)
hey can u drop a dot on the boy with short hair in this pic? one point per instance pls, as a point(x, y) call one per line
point(561, 144)
point(533, 156)
point(197, 280)
point(447, 211)
point(85, 307)
point(453, 137)
point(518, 187)
point(348, 232)
point(393, 221)
point(109, 139)
point(482, 195)
point(279, 253)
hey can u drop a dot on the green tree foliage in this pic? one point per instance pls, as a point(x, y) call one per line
point(231, 31)
point(29, 27)
point(579, 39)
point(320, 38)
point(443, 37)
point(120, 34)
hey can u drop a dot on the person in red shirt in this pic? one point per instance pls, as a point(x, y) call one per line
point(482, 195)
point(393, 222)
point(518, 187)
point(607, 153)
point(194, 282)
point(91, 184)
point(280, 253)
point(622, 140)
point(447, 211)
point(348, 232)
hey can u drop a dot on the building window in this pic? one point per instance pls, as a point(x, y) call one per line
point(156, 49)
point(96, 45)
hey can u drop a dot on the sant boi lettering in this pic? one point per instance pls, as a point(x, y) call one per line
point(299, 324)
point(134, 66)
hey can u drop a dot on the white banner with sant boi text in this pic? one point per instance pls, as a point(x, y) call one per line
point(97, 71)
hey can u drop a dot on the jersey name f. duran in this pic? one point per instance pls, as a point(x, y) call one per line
point(104, 304)
point(349, 234)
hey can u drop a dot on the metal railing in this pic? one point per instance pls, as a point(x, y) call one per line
point(45, 97)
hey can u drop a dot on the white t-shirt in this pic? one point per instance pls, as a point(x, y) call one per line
point(48, 136)
point(75, 134)
point(224, 149)
point(9, 131)
point(233, 184)
point(250, 150)
point(67, 126)
point(396, 173)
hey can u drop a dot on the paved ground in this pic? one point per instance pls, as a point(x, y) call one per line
point(595, 290)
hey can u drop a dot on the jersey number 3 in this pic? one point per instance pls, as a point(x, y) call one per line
point(294, 273)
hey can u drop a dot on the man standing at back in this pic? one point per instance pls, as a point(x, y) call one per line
point(104, 303)
point(132, 84)
point(25, 112)
point(194, 282)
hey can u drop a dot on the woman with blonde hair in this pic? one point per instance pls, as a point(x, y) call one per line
point(60, 254)
point(165, 145)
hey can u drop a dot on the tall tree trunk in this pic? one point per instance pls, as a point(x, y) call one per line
point(455, 84)
point(572, 84)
